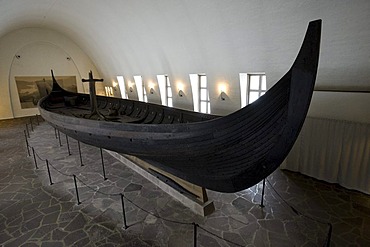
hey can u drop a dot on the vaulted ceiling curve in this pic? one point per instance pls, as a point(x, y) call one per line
point(146, 37)
point(221, 38)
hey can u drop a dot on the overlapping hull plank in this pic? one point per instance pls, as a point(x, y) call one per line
point(226, 154)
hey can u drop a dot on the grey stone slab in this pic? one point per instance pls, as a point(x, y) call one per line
point(22, 196)
point(16, 222)
point(133, 187)
point(77, 223)
point(74, 237)
point(52, 244)
point(18, 241)
point(272, 225)
point(50, 209)
point(231, 238)
point(137, 243)
point(205, 240)
point(32, 223)
point(151, 231)
point(30, 245)
point(51, 218)
point(4, 237)
point(97, 232)
point(242, 204)
point(42, 231)
point(31, 206)
point(67, 216)
point(279, 240)
point(247, 232)
point(13, 187)
point(221, 223)
point(83, 242)
point(261, 238)
point(346, 209)
point(58, 234)
point(30, 214)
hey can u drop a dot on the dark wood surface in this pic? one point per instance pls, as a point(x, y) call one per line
point(225, 154)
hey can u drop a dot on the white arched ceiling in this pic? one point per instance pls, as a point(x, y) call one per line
point(221, 38)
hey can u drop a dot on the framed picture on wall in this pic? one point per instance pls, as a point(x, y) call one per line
point(32, 88)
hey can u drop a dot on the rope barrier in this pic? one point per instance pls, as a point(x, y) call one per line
point(154, 214)
point(327, 240)
point(38, 156)
point(110, 194)
point(97, 191)
point(213, 234)
point(65, 174)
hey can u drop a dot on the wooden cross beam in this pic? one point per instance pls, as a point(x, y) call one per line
point(93, 101)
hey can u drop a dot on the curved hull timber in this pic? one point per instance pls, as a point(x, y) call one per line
point(225, 154)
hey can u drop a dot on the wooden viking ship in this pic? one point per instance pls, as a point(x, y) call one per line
point(225, 154)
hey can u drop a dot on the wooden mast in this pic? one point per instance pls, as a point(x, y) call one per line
point(93, 101)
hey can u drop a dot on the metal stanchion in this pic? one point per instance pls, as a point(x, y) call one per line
point(37, 120)
point(329, 235)
point(28, 148)
point(78, 198)
point(102, 162)
point(263, 193)
point(47, 165)
point(79, 151)
point(69, 150)
point(55, 132)
point(123, 212)
point(195, 234)
point(34, 157)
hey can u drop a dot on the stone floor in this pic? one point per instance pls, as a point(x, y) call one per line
point(35, 213)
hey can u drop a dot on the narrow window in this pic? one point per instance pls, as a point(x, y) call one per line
point(145, 97)
point(165, 90)
point(257, 86)
point(205, 106)
point(122, 88)
point(168, 91)
point(108, 91)
point(141, 92)
point(243, 89)
point(194, 81)
point(252, 86)
point(162, 88)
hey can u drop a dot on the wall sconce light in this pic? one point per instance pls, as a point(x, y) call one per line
point(151, 85)
point(130, 85)
point(222, 88)
point(180, 87)
point(18, 56)
point(68, 58)
point(115, 84)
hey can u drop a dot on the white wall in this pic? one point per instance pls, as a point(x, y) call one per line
point(39, 51)
point(220, 38)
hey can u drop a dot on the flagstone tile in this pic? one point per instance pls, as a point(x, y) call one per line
point(34, 213)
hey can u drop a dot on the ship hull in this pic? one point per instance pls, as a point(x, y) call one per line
point(225, 154)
